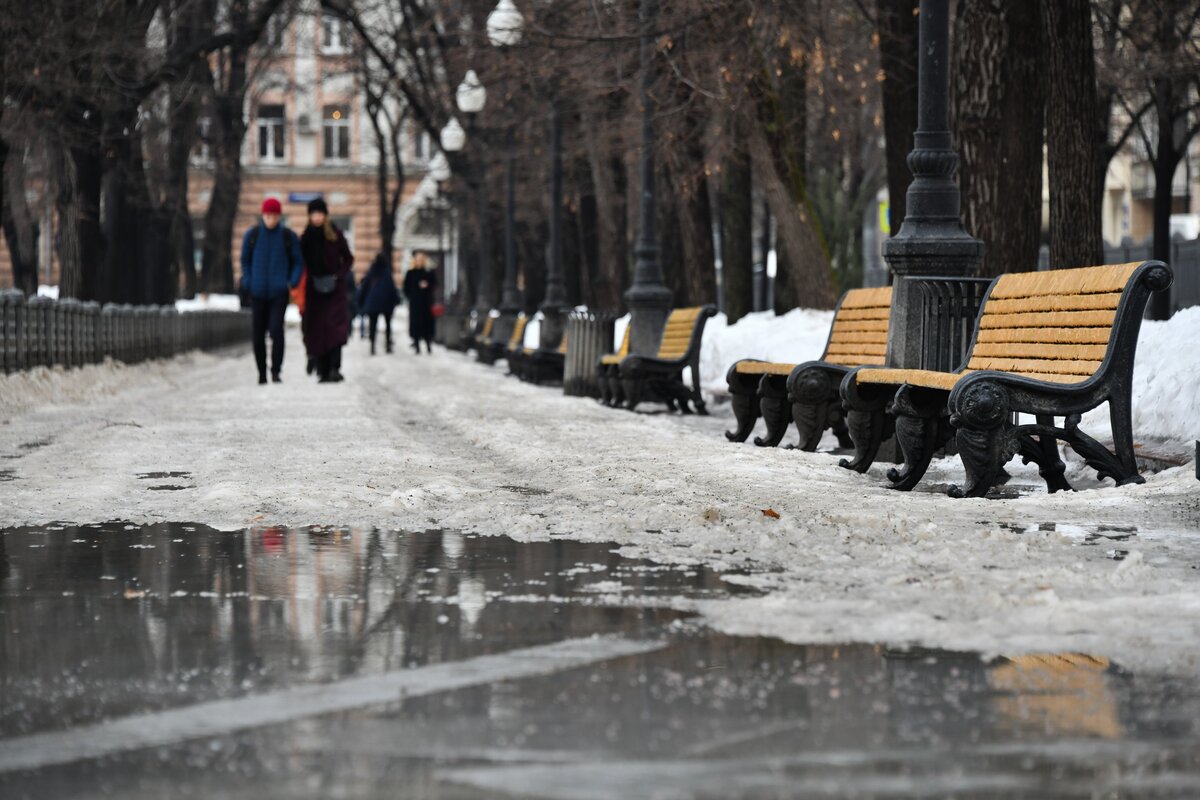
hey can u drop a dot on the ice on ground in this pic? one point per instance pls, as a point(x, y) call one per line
point(413, 442)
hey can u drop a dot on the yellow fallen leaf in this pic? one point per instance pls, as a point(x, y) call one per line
point(770, 512)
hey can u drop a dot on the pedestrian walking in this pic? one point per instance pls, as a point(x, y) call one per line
point(378, 297)
point(271, 265)
point(328, 259)
point(419, 287)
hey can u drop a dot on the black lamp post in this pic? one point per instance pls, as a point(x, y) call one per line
point(554, 306)
point(649, 298)
point(932, 239)
point(510, 293)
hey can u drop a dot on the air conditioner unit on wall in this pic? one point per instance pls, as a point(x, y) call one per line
point(304, 123)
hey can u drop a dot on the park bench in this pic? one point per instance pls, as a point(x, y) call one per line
point(485, 345)
point(659, 378)
point(543, 364)
point(514, 350)
point(1047, 344)
point(609, 372)
point(807, 393)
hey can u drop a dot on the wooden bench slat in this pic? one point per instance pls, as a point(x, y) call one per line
point(857, 349)
point(1070, 352)
point(1058, 302)
point(1084, 280)
point(869, 337)
point(1033, 335)
point(861, 325)
point(764, 368)
point(1049, 321)
point(863, 313)
point(1039, 365)
point(879, 297)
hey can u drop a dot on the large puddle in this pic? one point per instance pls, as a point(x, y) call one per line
point(102, 622)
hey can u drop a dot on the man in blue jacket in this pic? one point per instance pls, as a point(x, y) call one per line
point(271, 264)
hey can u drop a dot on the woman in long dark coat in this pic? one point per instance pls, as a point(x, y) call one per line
point(328, 259)
point(377, 297)
point(419, 287)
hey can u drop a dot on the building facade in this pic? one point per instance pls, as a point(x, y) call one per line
point(308, 135)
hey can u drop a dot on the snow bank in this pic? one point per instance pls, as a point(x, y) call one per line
point(1166, 380)
point(797, 336)
point(210, 302)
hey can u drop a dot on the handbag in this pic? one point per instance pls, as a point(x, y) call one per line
point(438, 310)
point(323, 284)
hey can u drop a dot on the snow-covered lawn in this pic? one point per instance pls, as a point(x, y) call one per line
point(417, 442)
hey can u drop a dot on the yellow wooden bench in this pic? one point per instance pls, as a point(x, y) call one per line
point(538, 364)
point(611, 393)
point(1047, 344)
point(763, 389)
point(485, 344)
point(659, 378)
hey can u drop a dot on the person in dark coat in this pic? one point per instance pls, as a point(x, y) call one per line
point(419, 287)
point(326, 314)
point(271, 264)
point(377, 297)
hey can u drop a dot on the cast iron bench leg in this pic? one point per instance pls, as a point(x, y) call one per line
point(919, 431)
point(775, 408)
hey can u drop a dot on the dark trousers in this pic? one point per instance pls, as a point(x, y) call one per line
point(330, 363)
point(267, 313)
point(387, 323)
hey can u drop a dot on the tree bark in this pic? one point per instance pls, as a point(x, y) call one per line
point(737, 235)
point(998, 120)
point(1073, 151)
point(20, 228)
point(228, 129)
point(608, 177)
point(897, 25)
point(778, 145)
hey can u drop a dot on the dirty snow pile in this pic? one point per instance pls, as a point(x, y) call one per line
point(409, 443)
point(1166, 387)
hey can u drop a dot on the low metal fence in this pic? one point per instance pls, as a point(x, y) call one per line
point(589, 336)
point(949, 307)
point(41, 332)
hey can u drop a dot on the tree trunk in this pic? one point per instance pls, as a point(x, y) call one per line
point(1167, 154)
point(608, 176)
point(20, 227)
point(80, 243)
point(737, 235)
point(1072, 153)
point(998, 120)
point(897, 23)
point(229, 129)
point(778, 145)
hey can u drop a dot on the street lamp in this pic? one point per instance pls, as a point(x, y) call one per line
point(439, 168)
point(504, 30)
point(470, 97)
point(649, 298)
point(504, 25)
point(453, 136)
point(932, 239)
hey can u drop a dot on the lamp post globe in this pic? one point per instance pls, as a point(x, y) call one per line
point(453, 137)
point(439, 168)
point(504, 24)
point(470, 96)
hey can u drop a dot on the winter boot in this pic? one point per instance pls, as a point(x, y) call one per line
point(388, 346)
point(372, 347)
point(275, 378)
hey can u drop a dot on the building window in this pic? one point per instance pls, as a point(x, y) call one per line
point(421, 146)
point(201, 152)
point(276, 32)
point(271, 133)
point(335, 130)
point(335, 35)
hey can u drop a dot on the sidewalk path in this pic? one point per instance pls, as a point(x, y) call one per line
point(423, 442)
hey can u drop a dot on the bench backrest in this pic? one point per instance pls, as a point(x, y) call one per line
point(517, 340)
point(860, 328)
point(623, 350)
point(562, 344)
point(486, 332)
point(677, 335)
point(1053, 326)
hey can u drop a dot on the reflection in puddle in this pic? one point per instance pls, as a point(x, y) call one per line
point(149, 618)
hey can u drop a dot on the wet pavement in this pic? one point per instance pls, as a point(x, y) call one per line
point(180, 661)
